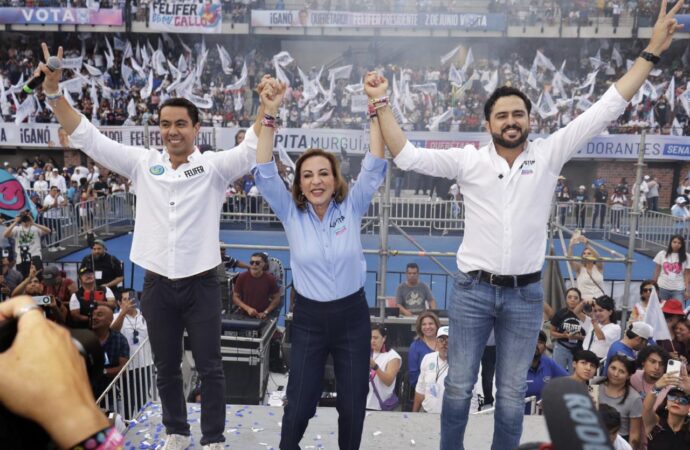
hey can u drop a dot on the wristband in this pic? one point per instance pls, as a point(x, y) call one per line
point(269, 121)
point(379, 102)
point(651, 57)
point(655, 390)
point(106, 439)
point(52, 96)
point(371, 111)
point(376, 367)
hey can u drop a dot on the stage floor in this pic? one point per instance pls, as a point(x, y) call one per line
point(258, 427)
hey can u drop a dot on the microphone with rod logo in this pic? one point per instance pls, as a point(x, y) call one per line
point(53, 63)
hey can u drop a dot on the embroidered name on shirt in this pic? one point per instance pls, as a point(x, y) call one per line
point(193, 172)
point(526, 167)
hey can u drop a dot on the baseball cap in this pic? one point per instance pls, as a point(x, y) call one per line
point(50, 275)
point(85, 269)
point(443, 331)
point(680, 200)
point(55, 170)
point(673, 307)
point(642, 329)
point(646, 177)
point(587, 355)
point(100, 242)
point(582, 187)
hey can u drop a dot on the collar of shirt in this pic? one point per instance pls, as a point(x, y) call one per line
point(194, 156)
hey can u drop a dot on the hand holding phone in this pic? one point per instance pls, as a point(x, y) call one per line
point(673, 367)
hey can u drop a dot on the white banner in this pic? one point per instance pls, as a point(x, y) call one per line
point(185, 16)
point(297, 140)
point(358, 103)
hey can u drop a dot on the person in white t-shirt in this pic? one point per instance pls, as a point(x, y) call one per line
point(385, 365)
point(672, 272)
point(429, 390)
point(600, 326)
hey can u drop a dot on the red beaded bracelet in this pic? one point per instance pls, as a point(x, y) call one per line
point(106, 439)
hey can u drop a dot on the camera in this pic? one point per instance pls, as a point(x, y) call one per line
point(5, 253)
point(41, 300)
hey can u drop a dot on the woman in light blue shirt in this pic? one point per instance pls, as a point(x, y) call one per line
point(322, 220)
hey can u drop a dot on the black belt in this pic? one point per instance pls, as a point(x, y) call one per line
point(506, 280)
point(191, 277)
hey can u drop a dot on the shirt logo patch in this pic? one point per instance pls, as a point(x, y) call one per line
point(194, 171)
point(526, 167)
point(157, 170)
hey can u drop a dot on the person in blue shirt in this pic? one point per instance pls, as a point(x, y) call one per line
point(322, 219)
point(427, 326)
point(542, 370)
point(633, 341)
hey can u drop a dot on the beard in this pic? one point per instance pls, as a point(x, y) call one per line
point(498, 138)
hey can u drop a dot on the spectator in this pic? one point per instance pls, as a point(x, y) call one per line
point(612, 421)
point(434, 368)
point(53, 214)
point(11, 276)
point(634, 340)
point(55, 310)
point(384, 367)
point(680, 214)
point(413, 295)
point(580, 207)
point(106, 267)
point(256, 292)
point(601, 196)
point(668, 426)
point(566, 330)
point(542, 370)
point(83, 303)
point(114, 345)
point(600, 326)
point(682, 336)
point(672, 271)
point(41, 185)
point(653, 193)
point(673, 313)
point(427, 327)
point(640, 308)
point(57, 180)
point(58, 285)
point(652, 362)
point(615, 391)
point(618, 203)
point(131, 323)
point(227, 262)
point(585, 365)
point(564, 202)
point(27, 239)
point(589, 272)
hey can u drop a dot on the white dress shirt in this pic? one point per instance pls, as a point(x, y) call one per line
point(507, 209)
point(177, 222)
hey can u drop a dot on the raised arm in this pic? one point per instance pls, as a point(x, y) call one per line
point(662, 35)
point(69, 119)
point(376, 87)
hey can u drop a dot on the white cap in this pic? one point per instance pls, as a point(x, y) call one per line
point(642, 329)
point(680, 200)
point(582, 187)
point(646, 177)
point(443, 331)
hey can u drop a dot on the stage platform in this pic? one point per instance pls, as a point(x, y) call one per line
point(258, 427)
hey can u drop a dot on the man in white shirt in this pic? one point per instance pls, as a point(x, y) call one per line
point(432, 375)
point(507, 188)
point(52, 207)
point(180, 195)
point(57, 180)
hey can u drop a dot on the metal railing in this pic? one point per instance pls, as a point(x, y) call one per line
point(133, 387)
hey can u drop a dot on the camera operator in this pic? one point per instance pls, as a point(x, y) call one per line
point(12, 276)
point(54, 309)
point(27, 239)
point(59, 396)
point(227, 263)
point(88, 296)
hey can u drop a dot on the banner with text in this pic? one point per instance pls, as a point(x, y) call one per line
point(345, 19)
point(185, 16)
point(61, 16)
point(297, 140)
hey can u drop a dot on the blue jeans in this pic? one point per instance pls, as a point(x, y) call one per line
point(665, 294)
point(563, 357)
point(515, 315)
point(340, 328)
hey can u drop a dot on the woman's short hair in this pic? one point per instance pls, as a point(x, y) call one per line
point(340, 183)
point(421, 317)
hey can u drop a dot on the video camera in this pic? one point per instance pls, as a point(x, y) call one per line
point(42, 300)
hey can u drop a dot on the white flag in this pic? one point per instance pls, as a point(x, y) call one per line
point(546, 107)
point(542, 61)
point(429, 88)
point(322, 120)
point(454, 76)
point(241, 82)
point(685, 99)
point(127, 53)
point(596, 61)
point(676, 128)
point(447, 57)
point(159, 63)
point(439, 119)
point(184, 46)
point(204, 102)
point(24, 109)
point(340, 73)
point(19, 87)
point(72, 63)
point(583, 104)
point(225, 60)
point(145, 58)
point(590, 80)
point(146, 90)
point(109, 55)
point(616, 56)
point(137, 67)
point(72, 85)
point(93, 93)
point(469, 60)
point(492, 83)
point(284, 157)
point(126, 72)
point(94, 72)
point(238, 101)
point(118, 43)
point(131, 108)
point(355, 88)
point(655, 318)
point(282, 59)
point(182, 64)
point(671, 92)
point(280, 74)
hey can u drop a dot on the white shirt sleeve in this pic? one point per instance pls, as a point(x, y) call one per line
point(659, 258)
point(73, 302)
point(420, 388)
point(233, 163)
point(109, 294)
point(115, 156)
point(448, 163)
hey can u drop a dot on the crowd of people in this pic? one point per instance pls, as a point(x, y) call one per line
point(429, 98)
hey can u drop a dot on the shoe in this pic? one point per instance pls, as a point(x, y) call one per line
point(62, 249)
point(214, 446)
point(52, 249)
point(176, 442)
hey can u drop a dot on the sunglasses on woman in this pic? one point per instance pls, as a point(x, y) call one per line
point(680, 399)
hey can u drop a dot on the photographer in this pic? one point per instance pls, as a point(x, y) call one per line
point(55, 310)
point(86, 299)
point(27, 239)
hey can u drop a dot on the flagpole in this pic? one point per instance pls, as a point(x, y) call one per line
point(383, 234)
point(634, 215)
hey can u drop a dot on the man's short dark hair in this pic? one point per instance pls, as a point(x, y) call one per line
point(412, 266)
point(192, 110)
point(505, 91)
point(610, 416)
point(649, 350)
point(587, 355)
point(263, 256)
